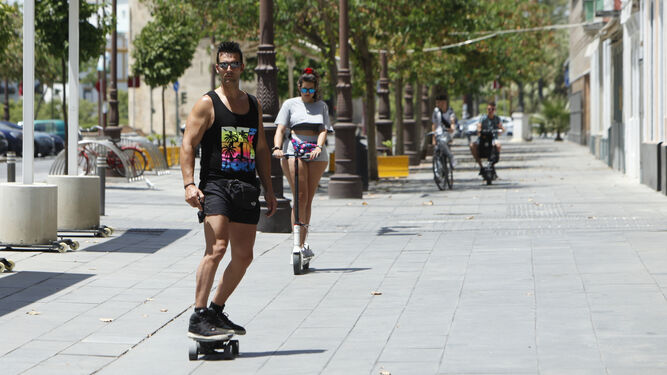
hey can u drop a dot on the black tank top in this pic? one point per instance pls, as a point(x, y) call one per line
point(228, 146)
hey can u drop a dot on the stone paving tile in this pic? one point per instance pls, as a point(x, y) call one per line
point(556, 269)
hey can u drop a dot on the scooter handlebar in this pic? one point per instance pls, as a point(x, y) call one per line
point(287, 156)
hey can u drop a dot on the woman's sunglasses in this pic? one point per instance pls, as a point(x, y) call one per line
point(307, 91)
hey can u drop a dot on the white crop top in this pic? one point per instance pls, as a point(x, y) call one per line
point(311, 116)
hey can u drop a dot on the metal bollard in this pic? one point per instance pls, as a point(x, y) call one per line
point(11, 166)
point(101, 165)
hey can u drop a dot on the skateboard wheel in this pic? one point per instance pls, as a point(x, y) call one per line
point(235, 346)
point(107, 231)
point(61, 247)
point(9, 265)
point(229, 351)
point(74, 245)
point(193, 352)
point(296, 263)
point(2, 268)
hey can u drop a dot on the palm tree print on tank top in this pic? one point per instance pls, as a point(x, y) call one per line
point(238, 153)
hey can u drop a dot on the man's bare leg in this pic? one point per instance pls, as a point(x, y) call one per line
point(242, 240)
point(475, 154)
point(216, 233)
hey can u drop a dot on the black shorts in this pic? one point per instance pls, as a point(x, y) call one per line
point(219, 199)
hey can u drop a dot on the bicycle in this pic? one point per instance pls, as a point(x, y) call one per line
point(135, 155)
point(443, 171)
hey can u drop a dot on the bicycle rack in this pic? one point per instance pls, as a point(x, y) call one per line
point(97, 147)
point(159, 164)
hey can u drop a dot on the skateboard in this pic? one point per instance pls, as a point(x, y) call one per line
point(230, 348)
point(6, 265)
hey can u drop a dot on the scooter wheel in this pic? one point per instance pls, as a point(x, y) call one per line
point(107, 231)
point(8, 265)
point(61, 247)
point(74, 245)
point(296, 263)
point(2, 268)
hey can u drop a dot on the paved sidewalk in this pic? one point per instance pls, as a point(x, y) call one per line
point(560, 267)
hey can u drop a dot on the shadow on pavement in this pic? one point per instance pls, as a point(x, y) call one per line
point(390, 231)
point(25, 287)
point(342, 270)
point(147, 241)
point(278, 353)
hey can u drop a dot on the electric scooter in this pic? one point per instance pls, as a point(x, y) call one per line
point(488, 150)
point(299, 262)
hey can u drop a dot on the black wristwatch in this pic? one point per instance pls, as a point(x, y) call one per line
point(275, 148)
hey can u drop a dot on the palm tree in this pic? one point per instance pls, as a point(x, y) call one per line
point(556, 115)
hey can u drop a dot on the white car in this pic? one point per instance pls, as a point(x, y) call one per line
point(471, 125)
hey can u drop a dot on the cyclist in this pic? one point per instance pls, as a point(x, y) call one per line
point(488, 121)
point(443, 124)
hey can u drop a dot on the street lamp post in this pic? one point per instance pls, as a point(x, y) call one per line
point(113, 130)
point(267, 92)
point(409, 125)
point(426, 122)
point(345, 183)
point(383, 122)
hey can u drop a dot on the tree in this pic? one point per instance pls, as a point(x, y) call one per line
point(11, 51)
point(51, 29)
point(556, 115)
point(164, 48)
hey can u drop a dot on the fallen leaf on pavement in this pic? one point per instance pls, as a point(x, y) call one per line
point(106, 320)
point(470, 217)
point(33, 312)
point(376, 293)
point(163, 310)
point(429, 203)
point(364, 203)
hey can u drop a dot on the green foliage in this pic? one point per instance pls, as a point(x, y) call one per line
point(123, 108)
point(10, 42)
point(556, 114)
point(165, 46)
point(51, 29)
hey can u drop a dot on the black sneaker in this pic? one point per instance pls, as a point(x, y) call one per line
point(223, 323)
point(201, 328)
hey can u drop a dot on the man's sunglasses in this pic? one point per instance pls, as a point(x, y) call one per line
point(234, 64)
point(307, 91)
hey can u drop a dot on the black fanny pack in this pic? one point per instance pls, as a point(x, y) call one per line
point(244, 195)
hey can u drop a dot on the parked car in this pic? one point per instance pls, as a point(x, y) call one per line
point(58, 143)
point(14, 138)
point(4, 144)
point(44, 143)
point(56, 127)
point(471, 126)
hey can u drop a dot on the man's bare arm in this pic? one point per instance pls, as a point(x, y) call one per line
point(263, 162)
point(196, 125)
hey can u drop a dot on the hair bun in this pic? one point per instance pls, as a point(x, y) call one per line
point(308, 71)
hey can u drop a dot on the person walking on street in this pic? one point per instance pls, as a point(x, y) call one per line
point(443, 122)
point(307, 118)
point(227, 122)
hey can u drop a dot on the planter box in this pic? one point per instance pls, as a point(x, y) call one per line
point(393, 166)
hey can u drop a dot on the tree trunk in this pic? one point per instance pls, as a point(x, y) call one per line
point(398, 99)
point(41, 101)
point(63, 65)
point(419, 129)
point(521, 103)
point(6, 101)
point(371, 131)
point(164, 129)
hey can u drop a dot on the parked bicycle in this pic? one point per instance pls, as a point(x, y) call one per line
point(443, 170)
point(135, 155)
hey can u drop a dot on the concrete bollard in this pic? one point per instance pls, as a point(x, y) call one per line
point(101, 165)
point(28, 214)
point(78, 201)
point(11, 166)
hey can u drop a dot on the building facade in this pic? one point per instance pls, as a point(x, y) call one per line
point(618, 85)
